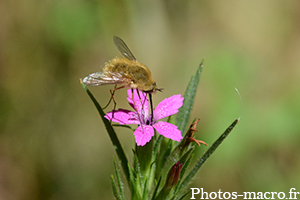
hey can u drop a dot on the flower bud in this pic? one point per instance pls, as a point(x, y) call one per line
point(173, 175)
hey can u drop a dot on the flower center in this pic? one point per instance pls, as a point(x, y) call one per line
point(148, 120)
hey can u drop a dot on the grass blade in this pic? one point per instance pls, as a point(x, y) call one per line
point(189, 96)
point(112, 134)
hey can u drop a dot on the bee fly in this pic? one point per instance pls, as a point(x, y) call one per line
point(126, 72)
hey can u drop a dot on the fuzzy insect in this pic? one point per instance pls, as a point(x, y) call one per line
point(126, 72)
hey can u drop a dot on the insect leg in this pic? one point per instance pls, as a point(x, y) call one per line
point(112, 92)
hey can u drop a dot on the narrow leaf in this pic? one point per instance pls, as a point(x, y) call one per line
point(138, 178)
point(164, 153)
point(115, 190)
point(112, 134)
point(156, 189)
point(137, 168)
point(207, 154)
point(189, 96)
point(132, 180)
point(151, 177)
point(186, 163)
point(184, 195)
point(120, 183)
point(156, 146)
point(146, 190)
point(185, 159)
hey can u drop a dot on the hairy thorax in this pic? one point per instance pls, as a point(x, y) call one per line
point(138, 73)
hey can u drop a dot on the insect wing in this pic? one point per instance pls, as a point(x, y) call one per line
point(123, 48)
point(105, 78)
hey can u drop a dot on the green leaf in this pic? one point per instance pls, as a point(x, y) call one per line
point(120, 183)
point(115, 190)
point(207, 154)
point(156, 147)
point(164, 152)
point(185, 160)
point(138, 188)
point(112, 134)
point(146, 190)
point(144, 154)
point(151, 178)
point(184, 112)
point(132, 180)
point(181, 198)
point(137, 168)
point(173, 156)
point(156, 189)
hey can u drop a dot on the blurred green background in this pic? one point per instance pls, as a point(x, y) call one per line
point(52, 142)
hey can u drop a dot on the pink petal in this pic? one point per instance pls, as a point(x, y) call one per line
point(141, 137)
point(141, 101)
point(122, 116)
point(168, 130)
point(168, 106)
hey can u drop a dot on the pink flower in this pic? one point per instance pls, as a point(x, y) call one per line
point(145, 131)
